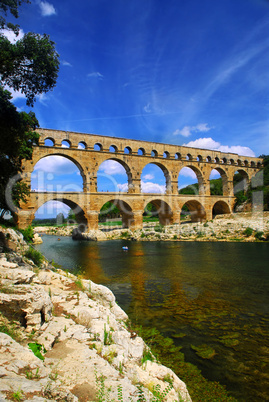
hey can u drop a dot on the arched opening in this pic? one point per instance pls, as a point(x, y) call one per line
point(208, 159)
point(49, 142)
point(154, 153)
point(98, 147)
point(82, 145)
point(178, 155)
point(219, 208)
point(128, 150)
point(155, 178)
point(190, 181)
point(252, 164)
point(114, 176)
point(218, 182)
point(141, 152)
point(159, 209)
point(113, 148)
point(60, 211)
point(189, 157)
point(117, 210)
point(216, 160)
point(57, 173)
point(195, 210)
point(66, 144)
point(240, 186)
point(166, 154)
point(199, 158)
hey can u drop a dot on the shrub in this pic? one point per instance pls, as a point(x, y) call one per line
point(28, 234)
point(259, 235)
point(34, 255)
point(248, 231)
point(159, 228)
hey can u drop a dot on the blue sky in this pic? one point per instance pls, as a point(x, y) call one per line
point(174, 71)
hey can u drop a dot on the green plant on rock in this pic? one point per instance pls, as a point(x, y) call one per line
point(37, 348)
point(28, 234)
point(34, 255)
point(259, 235)
point(18, 395)
point(248, 231)
point(147, 355)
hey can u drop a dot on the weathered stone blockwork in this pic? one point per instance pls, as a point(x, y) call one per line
point(134, 155)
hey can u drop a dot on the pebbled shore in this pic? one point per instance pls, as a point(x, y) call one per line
point(230, 227)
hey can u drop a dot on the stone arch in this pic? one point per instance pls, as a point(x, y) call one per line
point(220, 208)
point(141, 152)
point(73, 160)
point(128, 150)
point(208, 159)
point(240, 183)
point(189, 157)
point(113, 148)
point(98, 146)
point(166, 154)
point(49, 139)
point(216, 160)
point(200, 178)
point(77, 209)
point(196, 210)
point(178, 155)
point(154, 153)
point(82, 145)
point(199, 158)
point(125, 211)
point(166, 173)
point(66, 143)
point(224, 177)
point(163, 209)
point(126, 168)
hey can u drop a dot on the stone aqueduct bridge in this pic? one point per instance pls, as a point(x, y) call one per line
point(134, 155)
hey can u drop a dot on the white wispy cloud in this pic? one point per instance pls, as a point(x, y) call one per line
point(95, 74)
point(187, 131)
point(147, 108)
point(66, 63)
point(56, 164)
point(149, 187)
point(232, 66)
point(112, 167)
point(148, 177)
point(209, 143)
point(146, 187)
point(47, 9)
point(187, 172)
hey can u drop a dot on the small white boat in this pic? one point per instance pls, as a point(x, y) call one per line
point(125, 248)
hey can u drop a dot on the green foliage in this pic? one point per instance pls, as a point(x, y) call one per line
point(37, 348)
point(159, 228)
point(248, 231)
point(28, 234)
point(30, 65)
point(259, 235)
point(18, 395)
point(34, 255)
point(147, 355)
point(109, 210)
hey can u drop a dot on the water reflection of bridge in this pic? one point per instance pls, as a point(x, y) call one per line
point(88, 151)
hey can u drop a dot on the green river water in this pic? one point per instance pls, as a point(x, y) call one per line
point(198, 293)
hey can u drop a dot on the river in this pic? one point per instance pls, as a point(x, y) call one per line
point(198, 293)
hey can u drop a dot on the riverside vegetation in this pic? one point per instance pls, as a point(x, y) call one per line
point(91, 350)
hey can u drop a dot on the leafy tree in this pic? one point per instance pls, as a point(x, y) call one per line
point(30, 66)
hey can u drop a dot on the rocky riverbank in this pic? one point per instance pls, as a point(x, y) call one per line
point(243, 226)
point(66, 339)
